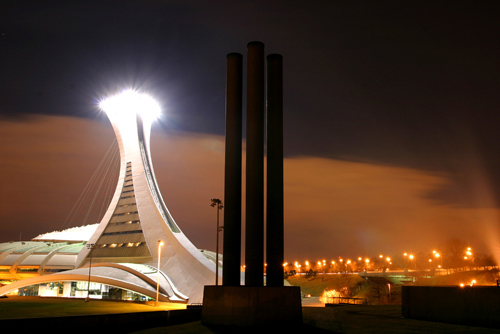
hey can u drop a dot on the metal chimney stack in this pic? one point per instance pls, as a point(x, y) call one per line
point(255, 144)
point(254, 304)
point(275, 203)
point(254, 222)
point(232, 182)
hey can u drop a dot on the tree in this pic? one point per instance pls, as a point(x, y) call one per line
point(343, 284)
point(454, 252)
point(379, 288)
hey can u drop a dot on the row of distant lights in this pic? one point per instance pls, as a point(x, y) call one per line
point(323, 263)
point(388, 259)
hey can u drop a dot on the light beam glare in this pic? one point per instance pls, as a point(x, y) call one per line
point(130, 102)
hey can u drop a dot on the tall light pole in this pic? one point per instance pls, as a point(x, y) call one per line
point(217, 203)
point(160, 243)
point(89, 246)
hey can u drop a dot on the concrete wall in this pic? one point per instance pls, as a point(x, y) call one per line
point(251, 306)
point(473, 306)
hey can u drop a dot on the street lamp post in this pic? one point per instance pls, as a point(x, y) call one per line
point(217, 203)
point(160, 243)
point(411, 260)
point(89, 246)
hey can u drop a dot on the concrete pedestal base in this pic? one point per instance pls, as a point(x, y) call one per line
point(251, 306)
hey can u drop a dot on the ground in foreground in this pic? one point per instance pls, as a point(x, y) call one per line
point(346, 319)
point(339, 319)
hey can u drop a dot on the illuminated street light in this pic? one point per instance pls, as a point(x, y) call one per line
point(411, 259)
point(91, 247)
point(160, 243)
point(217, 203)
point(469, 254)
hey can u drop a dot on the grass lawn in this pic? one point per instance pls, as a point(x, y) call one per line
point(40, 307)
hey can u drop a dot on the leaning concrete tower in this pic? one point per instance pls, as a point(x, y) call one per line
point(137, 218)
point(124, 251)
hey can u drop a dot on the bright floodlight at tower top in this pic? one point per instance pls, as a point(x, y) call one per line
point(130, 102)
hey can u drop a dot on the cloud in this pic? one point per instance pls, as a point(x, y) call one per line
point(332, 207)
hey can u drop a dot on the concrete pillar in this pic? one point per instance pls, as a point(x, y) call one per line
point(232, 171)
point(275, 214)
point(254, 222)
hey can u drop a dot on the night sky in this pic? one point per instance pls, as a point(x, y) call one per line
point(391, 114)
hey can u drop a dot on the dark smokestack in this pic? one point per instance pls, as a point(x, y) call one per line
point(275, 215)
point(254, 236)
point(232, 171)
